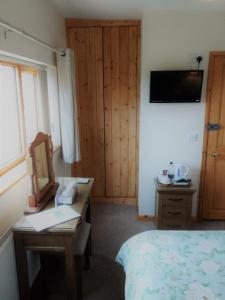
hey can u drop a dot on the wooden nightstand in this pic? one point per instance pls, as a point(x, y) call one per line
point(173, 206)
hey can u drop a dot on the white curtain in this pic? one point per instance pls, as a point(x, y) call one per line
point(68, 107)
point(42, 103)
point(53, 98)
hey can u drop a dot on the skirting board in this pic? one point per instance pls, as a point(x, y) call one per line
point(110, 200)
point(145, 218)
point(152, 218)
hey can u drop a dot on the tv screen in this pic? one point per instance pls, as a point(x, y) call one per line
point(176, 86)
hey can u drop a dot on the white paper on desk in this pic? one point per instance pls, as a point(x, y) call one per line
point(52, 217)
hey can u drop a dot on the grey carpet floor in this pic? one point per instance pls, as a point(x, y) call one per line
point(112, 225)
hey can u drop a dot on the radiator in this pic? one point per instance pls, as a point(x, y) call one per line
point(8, 274)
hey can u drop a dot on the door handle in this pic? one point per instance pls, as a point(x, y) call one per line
point(214, 154)
point(174, 213)
point(175, 199)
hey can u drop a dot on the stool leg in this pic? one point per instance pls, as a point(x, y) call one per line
point(79, 277)
point(88, 219)
point(87, 254)
point(44, 287)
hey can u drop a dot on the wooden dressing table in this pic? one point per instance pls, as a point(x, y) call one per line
point(60, 238)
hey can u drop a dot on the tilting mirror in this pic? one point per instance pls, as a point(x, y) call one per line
point(41, 166)
point(43, 180)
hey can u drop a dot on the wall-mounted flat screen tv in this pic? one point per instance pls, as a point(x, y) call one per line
point(176, 86)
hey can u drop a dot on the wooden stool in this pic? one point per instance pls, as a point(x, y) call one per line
point(82, 248)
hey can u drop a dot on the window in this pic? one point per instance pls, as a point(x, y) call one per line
point(29, 91)
point(11, 128)
point(29, 103)
point(18, 113)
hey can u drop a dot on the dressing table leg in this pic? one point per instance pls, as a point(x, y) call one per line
point(87, 254)
point(70, 269)
point(22, 267)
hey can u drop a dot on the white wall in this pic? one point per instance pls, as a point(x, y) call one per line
point(169, 41)
point(38, 18)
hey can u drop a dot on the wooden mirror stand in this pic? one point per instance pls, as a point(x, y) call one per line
point(43, 180)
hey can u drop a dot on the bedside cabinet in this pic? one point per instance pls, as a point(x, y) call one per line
point(173, 206)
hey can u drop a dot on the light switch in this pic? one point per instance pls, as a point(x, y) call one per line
point(193, 138)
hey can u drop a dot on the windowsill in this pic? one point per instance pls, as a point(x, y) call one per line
point(13, 176)
point(12, 165)
point(13, 173)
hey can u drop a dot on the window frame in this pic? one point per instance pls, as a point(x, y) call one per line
point(19, 69)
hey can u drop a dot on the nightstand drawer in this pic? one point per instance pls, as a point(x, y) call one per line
point(176, 200)
point(174, 212)
point(173, 224)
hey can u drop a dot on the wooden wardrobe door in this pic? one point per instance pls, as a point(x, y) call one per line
point(87, 45)
point(120, 46)
point(214, 184)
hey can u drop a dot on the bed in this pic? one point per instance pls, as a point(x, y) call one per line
point(174, 265)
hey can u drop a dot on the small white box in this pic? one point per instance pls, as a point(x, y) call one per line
point(67, 190)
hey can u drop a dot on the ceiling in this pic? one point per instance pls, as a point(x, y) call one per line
point(125, 9)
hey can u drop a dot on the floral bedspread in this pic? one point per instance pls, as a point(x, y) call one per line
point(174, 265)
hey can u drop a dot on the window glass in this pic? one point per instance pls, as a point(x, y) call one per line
point(30, 105)
point(11, 142)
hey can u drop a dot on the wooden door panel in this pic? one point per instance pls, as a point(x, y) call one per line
point(214, 183)
point(107, 107)
point(120, 97)
point(124, 109)
point(133, 111)
point(216, 187)
point(219, 186)
point(216, 139)
point(87, 45)
point(221, 133)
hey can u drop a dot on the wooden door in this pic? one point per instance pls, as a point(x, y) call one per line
point(87, 45)
point(213, 206)
point(120, 46)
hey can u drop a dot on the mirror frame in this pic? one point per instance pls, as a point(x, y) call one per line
point(39, 198)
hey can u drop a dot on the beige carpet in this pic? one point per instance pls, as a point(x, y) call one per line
point(111, 225)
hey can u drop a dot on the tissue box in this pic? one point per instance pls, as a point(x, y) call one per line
point(66, 193)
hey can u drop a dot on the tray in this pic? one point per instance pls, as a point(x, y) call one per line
point(178, 184)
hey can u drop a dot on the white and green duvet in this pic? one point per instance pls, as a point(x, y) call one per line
point(174, 265)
